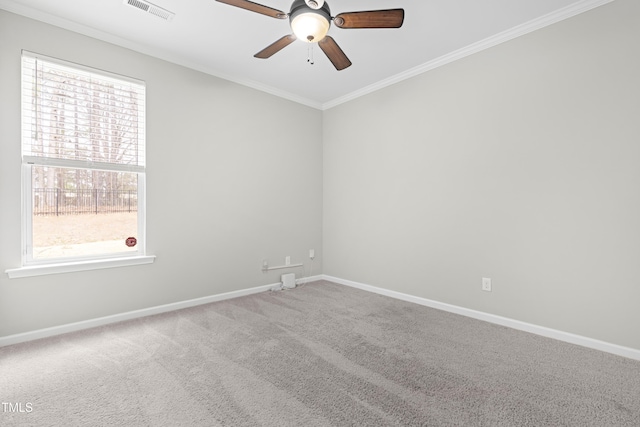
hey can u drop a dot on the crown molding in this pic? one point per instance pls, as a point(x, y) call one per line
point(520, 30)
point(505, 36)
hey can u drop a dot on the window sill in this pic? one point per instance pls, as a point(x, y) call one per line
point(69, 267)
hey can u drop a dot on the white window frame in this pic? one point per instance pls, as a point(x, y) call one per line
point(34, 267)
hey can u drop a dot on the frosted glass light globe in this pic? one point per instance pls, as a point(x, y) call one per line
point(310, 27)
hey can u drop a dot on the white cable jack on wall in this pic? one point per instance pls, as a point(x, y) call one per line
point(288, 281)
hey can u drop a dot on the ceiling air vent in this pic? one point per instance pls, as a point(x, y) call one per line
point(151, 8)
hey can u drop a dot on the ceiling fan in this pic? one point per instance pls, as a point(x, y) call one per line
point(310, 21)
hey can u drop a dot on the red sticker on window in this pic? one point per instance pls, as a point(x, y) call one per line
point(131, 241)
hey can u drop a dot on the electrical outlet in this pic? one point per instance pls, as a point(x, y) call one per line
point(486, 284)
point(312, 253)
point(287, 260)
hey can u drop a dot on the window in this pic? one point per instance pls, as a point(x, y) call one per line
point(83, 160)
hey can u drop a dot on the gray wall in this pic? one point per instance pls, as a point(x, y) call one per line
point(226, 186)
point(519, 163)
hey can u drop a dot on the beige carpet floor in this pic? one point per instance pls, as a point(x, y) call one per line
point(319, 355)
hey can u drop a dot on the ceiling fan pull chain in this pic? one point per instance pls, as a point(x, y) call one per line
point(310, 54)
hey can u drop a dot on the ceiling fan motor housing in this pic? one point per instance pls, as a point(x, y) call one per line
point(314, 4)
point(322, 16)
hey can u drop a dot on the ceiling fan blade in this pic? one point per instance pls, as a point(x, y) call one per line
point(255, 7)
point(275, 47)
point(392, 18)
point(334, 53)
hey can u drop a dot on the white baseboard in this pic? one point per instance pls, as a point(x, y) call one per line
point(499, 320)
point(618, 350)
point(92, 323)
point(309, 279)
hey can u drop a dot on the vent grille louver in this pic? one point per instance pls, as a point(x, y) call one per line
point(151, 9)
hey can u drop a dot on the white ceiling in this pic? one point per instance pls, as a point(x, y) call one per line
point(221, 40)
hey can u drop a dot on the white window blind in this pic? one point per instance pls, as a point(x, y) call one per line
point(81, 118)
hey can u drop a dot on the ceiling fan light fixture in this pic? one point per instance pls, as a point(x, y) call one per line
point(310, 27)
